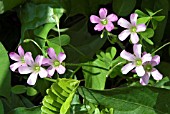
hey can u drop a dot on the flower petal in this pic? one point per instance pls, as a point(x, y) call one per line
point(141, 28)
point(32, 78)
point(140, 70)
point(137, 50)
point(43, 73)
point(156, 60)
point(28, 58)
point(50, 71)
point(103, 13)
point(14, 66)
point(14, 56)
point(20, 51)
point(61, 69)
point(123, 23)
point(94, 19)
point(146, 57)
point(128, 67)
point(61, 57)
point(112, 17)
point(134, 38)
point(39, 59)
point(144, 79)
point(156, 74)
point(133, 19)
point(46, 62)
point(99, 27)
point(25, 70)
point(123, 35)
point(109, 26)
point(128, 56)
point(51, 53)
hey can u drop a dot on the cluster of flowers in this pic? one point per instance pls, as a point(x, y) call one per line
point(142, 62)
point(25, 64)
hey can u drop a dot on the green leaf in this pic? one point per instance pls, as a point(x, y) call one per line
point(148, 33)
point(5, 75)
point(123, 7)
point(62, 40)
point(56, 47)
point(164, 68)
point(23, 110)
point(140, 13)
point(19, 89)
point(31, 91)
point(148, 41)
point(128, 100)
point(1, 107)
point(42, 31)
point(159, 18)
point(143, 20)
point(59, 96)
point(6, 5)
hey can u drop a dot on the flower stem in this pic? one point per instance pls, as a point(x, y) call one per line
point(160, 47)
point(51, 80)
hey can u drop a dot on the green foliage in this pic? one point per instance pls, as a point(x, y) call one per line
point(62, 40)
point(59, 96)
point(18, 89)
point(123, 7)
point(137, 100)
point(1, 107)
point(23, 110)
point(5, 75)
point(31, 91)
point(147, 34)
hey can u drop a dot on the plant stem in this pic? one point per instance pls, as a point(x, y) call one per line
point(160, 47)
point(50, 79)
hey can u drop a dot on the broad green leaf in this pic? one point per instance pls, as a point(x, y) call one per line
point(6, 5)
point(18, 89)
point(5, 75)
point(154, 24)
point(1, 107)
point(42, 31)
point(31, 91)
point(140, 13)
point(62, 40)
point(59, 96)
point(123, 7)
point(130, 100)
point(159, 18)
point(148, 41)
point(143, 20)
point(148, 33)
point(23, 110)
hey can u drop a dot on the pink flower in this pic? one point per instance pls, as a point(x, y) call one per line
point(131, 28)
point(135, 60)
point(55, 62)
point(150, 70)
point(103, 21)
point(34, 67)
point(18, 58)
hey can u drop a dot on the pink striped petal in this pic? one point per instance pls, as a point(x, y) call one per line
point(25, 70)
point(145, 79)
point(140, 70)
point(128, 67)
point(61, 57)
point(61, 69)
point(32, 78)
point(94, 19)
point(39, 59)
point(112, 17)
point(128, 56)
point(103, 13)
point(51, 53)
point(124, 23)
point(50, 71)
point(156, 74)
point(14, 56)
point(14, 66)
point(28, 58)
point(123, 35)
point(137, 49)
point(133, 19)
point(20, 51)
point(109, 26)
point(141, 28)
point(134, 38)
point(146, 57)
point(43, 73)
point(156, 60)
point(99, 27)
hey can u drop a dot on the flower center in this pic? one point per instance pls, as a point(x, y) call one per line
point(22, 59)
point(133, 29)
point(36, 68)
point(148, 67)
point(138, 62)
point(56, 63)
point(104, 21)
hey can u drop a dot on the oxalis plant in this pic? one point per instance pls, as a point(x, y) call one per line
point(84, 57)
